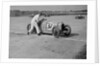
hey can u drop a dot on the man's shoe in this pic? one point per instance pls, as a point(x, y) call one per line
point(39, 34)
point(27, 33)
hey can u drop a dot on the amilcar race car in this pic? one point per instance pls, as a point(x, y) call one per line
point(54, 28)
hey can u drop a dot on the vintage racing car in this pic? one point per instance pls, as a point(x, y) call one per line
point(55, 28)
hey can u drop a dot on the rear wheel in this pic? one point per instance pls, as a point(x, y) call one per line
point(67, 30)
point(56, 32)
point(28, 27)
point(33, 31)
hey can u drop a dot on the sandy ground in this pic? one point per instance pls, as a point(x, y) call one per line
point(46, 46)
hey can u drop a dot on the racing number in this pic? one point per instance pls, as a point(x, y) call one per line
point(49, 26)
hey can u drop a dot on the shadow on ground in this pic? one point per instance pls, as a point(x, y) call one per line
point(71, 35)
point(23, 34)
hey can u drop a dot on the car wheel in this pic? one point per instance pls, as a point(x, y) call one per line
point(56, 32)
point(67, 30)
point(33, 31)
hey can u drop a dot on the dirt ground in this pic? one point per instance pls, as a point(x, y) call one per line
point(46, 46)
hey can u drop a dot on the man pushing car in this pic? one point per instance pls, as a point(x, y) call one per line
point(34, 24)
point(40, 26)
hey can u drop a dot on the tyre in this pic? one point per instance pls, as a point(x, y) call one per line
point(33, 31)
point(28, 27)
point(56, 32)
point(67, 30)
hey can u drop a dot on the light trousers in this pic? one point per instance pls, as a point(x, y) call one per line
point(34, 24)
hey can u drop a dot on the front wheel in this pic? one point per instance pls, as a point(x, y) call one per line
point(67, 30)
point(56, 32)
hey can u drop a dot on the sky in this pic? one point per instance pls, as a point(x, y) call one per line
point(50, 7)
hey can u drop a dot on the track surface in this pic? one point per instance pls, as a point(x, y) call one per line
point(46, 46)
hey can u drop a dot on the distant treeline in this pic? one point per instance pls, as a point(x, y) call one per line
point(14, 13)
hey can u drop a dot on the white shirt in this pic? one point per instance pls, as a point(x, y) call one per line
point(35, 18)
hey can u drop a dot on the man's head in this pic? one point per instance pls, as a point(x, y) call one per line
point(41, 14)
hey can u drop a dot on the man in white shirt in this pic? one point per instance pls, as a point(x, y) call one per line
point(34, 23)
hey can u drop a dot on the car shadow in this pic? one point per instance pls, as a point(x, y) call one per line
point(71, 35)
